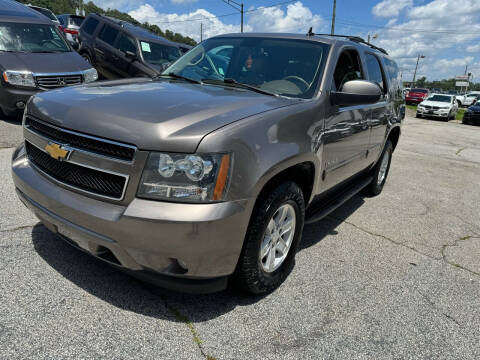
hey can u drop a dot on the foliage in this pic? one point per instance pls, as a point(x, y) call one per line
point(70, 6)
point(446, 84)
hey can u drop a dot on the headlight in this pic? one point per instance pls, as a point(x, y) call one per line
point(19, 78)
point(186, 178)
point(90, 75)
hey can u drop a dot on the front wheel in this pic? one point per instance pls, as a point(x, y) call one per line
point(272, 239)
point(380, 171)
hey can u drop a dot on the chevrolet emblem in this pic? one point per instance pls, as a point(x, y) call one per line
point(56, 151)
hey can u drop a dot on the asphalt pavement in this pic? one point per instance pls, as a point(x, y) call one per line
point(391, 277)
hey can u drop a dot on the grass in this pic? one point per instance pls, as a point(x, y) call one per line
point(459, 112)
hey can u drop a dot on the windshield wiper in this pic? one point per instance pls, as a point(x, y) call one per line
point(176, 76)
point(235, 83)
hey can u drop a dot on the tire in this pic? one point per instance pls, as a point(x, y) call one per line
point(417, 116)
point(459, 104)
point(251, 274)
point(376, 186)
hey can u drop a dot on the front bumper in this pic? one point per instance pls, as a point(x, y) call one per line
point(433, 113)
point(410, 100)
point(10, 96)
point(471, 118)
point(187, 247)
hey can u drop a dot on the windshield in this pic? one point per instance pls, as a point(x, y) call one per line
point(280, 66)
point(159, 54)
point(19, 37)
point(441, 98)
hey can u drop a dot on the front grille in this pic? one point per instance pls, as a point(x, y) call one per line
point(94, 181)
point(56, 81)
point(82, 142)
point(431, 107)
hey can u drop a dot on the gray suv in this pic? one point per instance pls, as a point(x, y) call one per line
point(208, 173)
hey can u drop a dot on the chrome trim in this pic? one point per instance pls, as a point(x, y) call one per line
point(85, 136)
point(126, 177)
point(73, 73)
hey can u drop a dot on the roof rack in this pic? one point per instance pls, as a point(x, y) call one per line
point(356, 39)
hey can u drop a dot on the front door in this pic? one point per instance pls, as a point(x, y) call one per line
point(346, 136)
point(105, 51)
point(122, 61)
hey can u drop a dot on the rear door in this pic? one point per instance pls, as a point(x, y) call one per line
point(346, 136)
point(123, 63)
point(382, 110)
point(105, 51)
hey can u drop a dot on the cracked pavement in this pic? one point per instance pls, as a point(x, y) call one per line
point(395, 276)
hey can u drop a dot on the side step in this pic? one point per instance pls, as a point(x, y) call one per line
point(319, 212)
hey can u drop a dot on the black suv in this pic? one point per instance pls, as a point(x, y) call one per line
point(119, 49)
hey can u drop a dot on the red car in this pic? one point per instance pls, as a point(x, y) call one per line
point(416, 96)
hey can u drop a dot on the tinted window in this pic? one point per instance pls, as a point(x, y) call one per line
point(348, 68)
point(159, 54)
point(374, 70)
point(76, 20)
point(108, 34)
point(90, 26)
point(126, 43)
point(440, 98)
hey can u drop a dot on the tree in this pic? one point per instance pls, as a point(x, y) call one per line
point(70, 7)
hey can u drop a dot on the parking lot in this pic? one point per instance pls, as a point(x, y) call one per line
point(396, 276)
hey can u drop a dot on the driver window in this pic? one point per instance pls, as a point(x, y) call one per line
point(126, 43)
point(348, 68)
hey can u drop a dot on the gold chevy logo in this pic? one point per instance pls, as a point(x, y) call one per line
point(56, 151)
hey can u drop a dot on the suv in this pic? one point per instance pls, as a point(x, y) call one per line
point(34, 56)
point(70, 24)
point(119, 49)
point(210, 172)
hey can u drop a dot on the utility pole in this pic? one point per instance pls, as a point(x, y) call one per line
point(416, 67)
point(239, 7)
point(201, 32)
point(333, 17)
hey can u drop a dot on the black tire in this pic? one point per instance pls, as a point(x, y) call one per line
point(249, 275)
point(376, 187)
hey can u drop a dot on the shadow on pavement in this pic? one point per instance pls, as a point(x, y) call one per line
point(127, 293)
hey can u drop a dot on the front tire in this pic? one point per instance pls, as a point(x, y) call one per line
point(380, 171)
point(275, 230)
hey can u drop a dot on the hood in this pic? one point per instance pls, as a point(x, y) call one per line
point(153, 115)
point(435, 103)
point(475, 108)
point(44, 62)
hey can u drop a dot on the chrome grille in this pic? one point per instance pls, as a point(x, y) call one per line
point(81, 141)
point(55, 81)
point(83, 178)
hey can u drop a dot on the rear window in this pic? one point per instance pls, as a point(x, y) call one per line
point(375, 71)
point(90, 25)
point(108, 34)
point(425, 91)
point(76, 20)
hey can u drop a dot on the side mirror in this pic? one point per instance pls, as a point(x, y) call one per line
point(357, 92)
point(131, 55)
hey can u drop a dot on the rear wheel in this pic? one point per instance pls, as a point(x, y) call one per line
point(380, 171)
point(272, 239)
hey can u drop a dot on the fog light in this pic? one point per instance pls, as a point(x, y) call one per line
point(20, 105)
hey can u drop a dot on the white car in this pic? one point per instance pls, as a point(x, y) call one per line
point(438, 105)
point(466, 100)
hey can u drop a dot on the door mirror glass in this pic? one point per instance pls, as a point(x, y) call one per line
point(357, 92)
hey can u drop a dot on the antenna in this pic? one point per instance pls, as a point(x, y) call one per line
point(310, 32)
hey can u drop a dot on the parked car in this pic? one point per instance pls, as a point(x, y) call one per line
point(46, 12)
point(466, 100)
point(119, 49)
point(70, 24)
point(438, 105)
point(197, 178)
point(471, 116)
point(34, 57)
point(416, 96)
